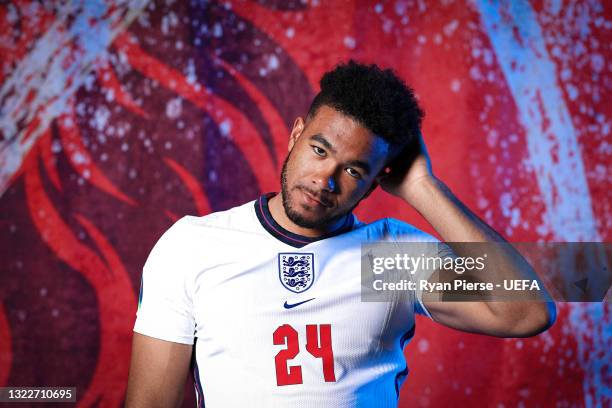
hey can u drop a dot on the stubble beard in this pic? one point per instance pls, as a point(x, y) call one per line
point(295, 216)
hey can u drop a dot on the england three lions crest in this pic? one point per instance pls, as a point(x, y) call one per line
point(296, 271)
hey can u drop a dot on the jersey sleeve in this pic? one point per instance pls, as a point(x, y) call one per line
point(439, 250)
point(165, 305)
point(428, 245)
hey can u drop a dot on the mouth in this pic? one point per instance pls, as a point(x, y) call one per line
point(313, 200)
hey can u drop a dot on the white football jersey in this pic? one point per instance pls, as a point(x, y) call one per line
point(277, 318)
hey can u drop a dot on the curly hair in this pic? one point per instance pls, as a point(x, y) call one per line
point(377, 99)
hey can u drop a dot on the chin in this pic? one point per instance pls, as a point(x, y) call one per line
point(302, 218)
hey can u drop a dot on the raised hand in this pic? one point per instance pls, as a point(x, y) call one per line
point(408, 170)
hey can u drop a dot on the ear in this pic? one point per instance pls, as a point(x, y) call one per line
point(296, 132)
point(383, 173)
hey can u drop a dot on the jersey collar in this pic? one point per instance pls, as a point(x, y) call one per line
point(296, 240)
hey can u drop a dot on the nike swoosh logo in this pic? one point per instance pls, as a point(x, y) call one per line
point(288, 306)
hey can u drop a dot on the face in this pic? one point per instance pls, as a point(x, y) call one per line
point(332, 164)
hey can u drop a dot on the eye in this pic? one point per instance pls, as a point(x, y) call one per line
point(353, 173)
point(318, 151)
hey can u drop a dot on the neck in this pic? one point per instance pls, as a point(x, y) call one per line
point(275, 205)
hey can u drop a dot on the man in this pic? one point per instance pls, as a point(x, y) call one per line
point(269, 291)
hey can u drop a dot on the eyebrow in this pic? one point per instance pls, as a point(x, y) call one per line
point(319, 138)
point(357, 163)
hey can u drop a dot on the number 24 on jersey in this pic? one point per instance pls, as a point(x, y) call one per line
point(318, 344)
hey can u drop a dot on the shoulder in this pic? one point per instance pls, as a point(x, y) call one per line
point(194, 231)
point(237, 218)
point(397, 230)
point(402, 231)
point(184, 241)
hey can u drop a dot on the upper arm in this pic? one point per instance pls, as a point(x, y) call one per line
point(158, 372)
point(478, 317)
point(473, 317)
point(512, 319)
point(165, 324)
point(506, 319)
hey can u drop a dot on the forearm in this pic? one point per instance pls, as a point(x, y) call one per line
point(446, 214)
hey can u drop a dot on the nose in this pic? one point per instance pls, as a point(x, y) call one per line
point(325, 180)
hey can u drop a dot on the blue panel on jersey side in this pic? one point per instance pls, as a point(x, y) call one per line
point(418, 309)
point(196, 378)
point(140, 294)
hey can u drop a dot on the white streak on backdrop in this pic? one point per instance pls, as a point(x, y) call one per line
point(58, 64)
point(532, 79)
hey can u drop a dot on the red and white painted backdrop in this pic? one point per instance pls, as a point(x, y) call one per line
point(119, 117)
